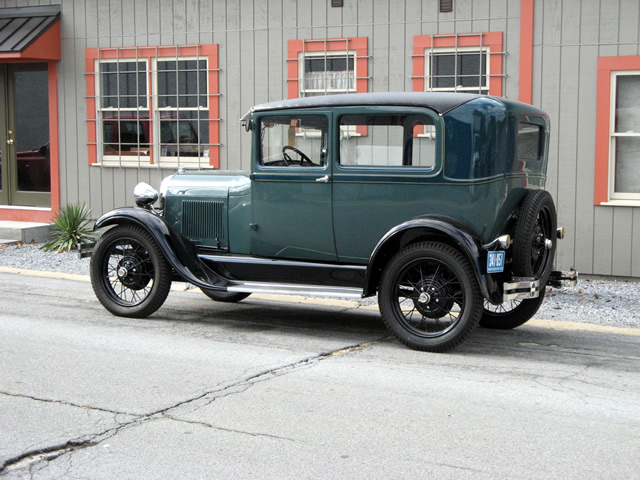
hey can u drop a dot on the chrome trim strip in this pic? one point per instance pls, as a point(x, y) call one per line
point(295, 289)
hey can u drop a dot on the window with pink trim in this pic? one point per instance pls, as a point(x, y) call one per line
point(617, 172)
point(153, 106)
point(327, 66)
point(469, 62)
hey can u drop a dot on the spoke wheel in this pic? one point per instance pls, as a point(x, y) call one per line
point(129, 273)
point(510, 314)
point(429, 298)
point(535, 240)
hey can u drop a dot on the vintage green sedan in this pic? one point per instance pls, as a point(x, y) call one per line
point(433, 201)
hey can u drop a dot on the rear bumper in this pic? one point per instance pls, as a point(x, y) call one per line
point(523, 288)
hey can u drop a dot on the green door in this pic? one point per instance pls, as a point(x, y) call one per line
point(291, 187)
point(25, 170)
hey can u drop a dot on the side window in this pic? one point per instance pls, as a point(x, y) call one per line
point(391, 141)
point(529, 138)
point(293, 141)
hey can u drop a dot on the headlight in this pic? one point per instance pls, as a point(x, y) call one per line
point(145, 195)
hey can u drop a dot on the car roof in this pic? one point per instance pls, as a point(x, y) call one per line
point(440, 102)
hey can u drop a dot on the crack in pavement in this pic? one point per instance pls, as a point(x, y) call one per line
point(222, 429)
point(33, 457)
point(70, 404)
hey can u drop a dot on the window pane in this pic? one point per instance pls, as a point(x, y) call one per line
point(529, 137)
point(628, 104)
point(391, 140)
point(285, 138)
point(184, 134)
point(627, 165)
point(462, 69)
point(329, 73)
point(126, 133)
point(182, 88)
point(121, 86)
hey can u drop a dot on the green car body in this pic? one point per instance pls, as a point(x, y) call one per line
point(341, 185)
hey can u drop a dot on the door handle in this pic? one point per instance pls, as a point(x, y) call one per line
point(10, 141)
point(324, 179)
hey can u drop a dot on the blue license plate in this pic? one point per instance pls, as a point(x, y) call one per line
point(495, 262)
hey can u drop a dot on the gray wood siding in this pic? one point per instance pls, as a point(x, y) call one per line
point(252, 35)
point(569, 37)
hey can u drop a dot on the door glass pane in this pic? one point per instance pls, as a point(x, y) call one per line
point(31, 102)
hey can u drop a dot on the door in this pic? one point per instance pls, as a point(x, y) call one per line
point(291, 187)
point(25, 170)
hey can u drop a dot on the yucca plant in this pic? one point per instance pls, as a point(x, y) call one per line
point(70, 228)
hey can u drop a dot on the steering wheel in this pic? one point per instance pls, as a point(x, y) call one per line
point(303, 157)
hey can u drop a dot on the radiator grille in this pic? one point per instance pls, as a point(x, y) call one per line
point(203, 219)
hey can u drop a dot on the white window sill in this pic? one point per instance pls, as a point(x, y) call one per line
point(621, 203)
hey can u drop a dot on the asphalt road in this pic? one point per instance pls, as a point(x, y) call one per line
point(266, 389)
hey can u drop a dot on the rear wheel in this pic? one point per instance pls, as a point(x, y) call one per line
point(510, 314)
point(429, 297)
point(129, 272)
point(227, 297)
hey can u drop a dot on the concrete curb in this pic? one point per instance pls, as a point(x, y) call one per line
point(337, 303)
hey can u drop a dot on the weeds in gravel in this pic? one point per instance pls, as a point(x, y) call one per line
point(70, 228)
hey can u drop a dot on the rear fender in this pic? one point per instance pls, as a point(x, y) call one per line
point(179, 253)
point(427, 228)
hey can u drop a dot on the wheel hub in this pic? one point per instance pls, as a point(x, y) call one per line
point(131, 275)
point(435, 298)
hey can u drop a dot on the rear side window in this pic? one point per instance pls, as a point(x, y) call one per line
point(529, 142)
point(375, 140)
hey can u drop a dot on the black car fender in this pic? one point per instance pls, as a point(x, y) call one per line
point(180, 255)
point(428, 227)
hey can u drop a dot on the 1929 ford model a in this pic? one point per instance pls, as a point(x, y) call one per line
point(435, 202)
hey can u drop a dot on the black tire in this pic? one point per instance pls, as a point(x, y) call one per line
point(429, 297)
point(227, 297)
point(129, 272)
point(536, 224)
point(510, 314)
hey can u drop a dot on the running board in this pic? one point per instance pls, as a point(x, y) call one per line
point(295, 289)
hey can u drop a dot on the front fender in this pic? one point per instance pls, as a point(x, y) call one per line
point(180, 254)
point(425, 228)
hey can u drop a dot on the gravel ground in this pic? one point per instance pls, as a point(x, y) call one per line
point(597, 301)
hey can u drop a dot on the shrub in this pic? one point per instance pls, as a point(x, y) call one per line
point(70, 228)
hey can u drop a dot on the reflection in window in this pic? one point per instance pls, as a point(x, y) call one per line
point(294, 141)
point(391, 141)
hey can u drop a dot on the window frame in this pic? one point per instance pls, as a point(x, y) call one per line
point(258, 146)
point(347, 54)
point(492, 41)
point(412, 172)
point(604, 176)
point(124, 160)
point(430, 53)
point(151, 55)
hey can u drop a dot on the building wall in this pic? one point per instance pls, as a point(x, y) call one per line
point(253, 36)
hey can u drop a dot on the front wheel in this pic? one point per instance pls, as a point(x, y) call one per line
point(510, 314)
point(429, 297)
point(129, 272)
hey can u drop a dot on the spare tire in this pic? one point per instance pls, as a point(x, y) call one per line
point(535, 237)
